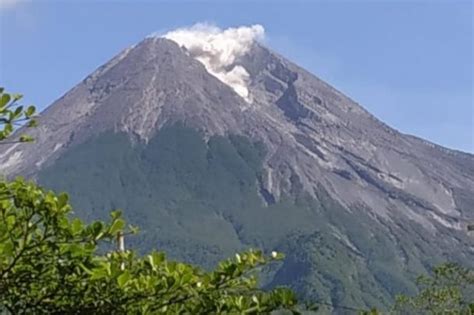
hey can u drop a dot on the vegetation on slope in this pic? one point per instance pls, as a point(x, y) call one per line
point(50, 264)
point(199, 201)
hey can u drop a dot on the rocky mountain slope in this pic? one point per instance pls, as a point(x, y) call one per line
point(358, 207)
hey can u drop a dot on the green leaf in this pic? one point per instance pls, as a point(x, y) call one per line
point(76, 226)
point(8, 128)
point(76, 250)
point(10, 220)
point(115, 214)
point(4, 100)
point(99, 273)
point(18, 111)
point(30, 111)
point(63, 200)
point(117, 226)
point(97, 228)
point(6, 249)
point(156, 258)
point(123, 279)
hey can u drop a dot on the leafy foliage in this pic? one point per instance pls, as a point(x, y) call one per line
point(51, 264)
point(13, 115)
point(450, 290)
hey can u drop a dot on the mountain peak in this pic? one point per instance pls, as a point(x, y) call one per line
point(223, 129)
point(312, 132)
point(219, 51)
point(138, 91)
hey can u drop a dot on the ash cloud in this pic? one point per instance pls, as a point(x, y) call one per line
point(219, 49)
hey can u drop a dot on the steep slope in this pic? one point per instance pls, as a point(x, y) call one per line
point(358, 207)
point(136, 92)
point(345, 140)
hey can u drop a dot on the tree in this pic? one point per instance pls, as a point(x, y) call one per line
point(14, 115)
point(450, 290)
point(52, 264)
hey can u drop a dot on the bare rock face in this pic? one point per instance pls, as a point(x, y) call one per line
point(333, 141)
point(315, 137)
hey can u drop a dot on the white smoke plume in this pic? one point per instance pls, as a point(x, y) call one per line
point(218, 50)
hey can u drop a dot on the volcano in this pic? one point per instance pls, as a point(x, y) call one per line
point(253, 152)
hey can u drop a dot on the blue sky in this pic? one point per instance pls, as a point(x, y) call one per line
point(408, 62)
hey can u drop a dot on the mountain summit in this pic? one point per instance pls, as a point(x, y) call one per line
point(215, 143)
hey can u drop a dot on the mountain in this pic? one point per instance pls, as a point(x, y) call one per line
point(288, 163)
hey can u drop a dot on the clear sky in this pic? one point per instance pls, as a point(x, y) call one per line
point(408, 62)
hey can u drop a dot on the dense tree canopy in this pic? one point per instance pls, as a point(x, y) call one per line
point(50, 263)
point(449, 290)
